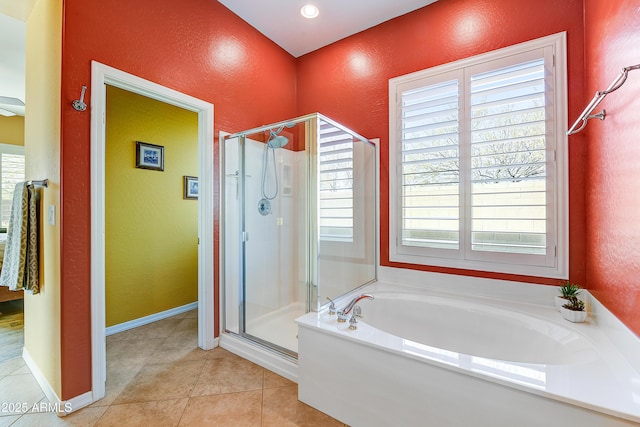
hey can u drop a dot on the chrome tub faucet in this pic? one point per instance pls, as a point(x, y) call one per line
point(343, 314)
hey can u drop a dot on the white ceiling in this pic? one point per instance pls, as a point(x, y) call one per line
point(12, 61)
point(280, 20)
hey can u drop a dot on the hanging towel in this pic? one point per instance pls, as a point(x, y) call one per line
point(20, 265)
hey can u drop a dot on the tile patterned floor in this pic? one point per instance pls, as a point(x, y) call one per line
point(157, 376)
point(11, 326)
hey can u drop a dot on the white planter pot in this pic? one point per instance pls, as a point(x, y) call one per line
point(573, 316)
point(560, 301)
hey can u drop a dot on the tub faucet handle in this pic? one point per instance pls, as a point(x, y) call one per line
point(353, 321)
point(343, 314)
point(332, 307)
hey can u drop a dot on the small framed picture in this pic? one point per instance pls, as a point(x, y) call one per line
point(191, 187)
point(149, 156)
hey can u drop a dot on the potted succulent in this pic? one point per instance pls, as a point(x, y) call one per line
point(574, 311)
point(567, 291)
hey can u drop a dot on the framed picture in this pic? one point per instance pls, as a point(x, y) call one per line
point(149, 156)
point(191, 187)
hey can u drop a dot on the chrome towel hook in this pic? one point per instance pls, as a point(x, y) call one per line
point(79, 104)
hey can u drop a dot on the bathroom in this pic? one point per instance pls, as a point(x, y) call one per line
point(252, 82)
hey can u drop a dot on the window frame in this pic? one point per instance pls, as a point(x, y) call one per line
point(13, 150)
point(555, 263)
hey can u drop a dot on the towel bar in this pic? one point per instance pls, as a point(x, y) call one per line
point(39, 183)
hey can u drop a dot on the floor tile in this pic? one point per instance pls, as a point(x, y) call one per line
point(11, 329)
point(221, 353)
point(126, 350)
point(188, 324)
point(228, 375)
point(22, 389)
point(162, 381)
point(24, 370)
point(157, 375)
point(84, 418)
point(11, 366)
point(157, 414)
point(180, 346)
point(229, 410)
point(281, 408)
point(6, 421)
point(273, 380)
point(119, 375)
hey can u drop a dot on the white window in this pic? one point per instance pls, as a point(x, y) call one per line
point(11, 172)
point(479, 151)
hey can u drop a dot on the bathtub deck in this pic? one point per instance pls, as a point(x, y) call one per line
point(600, 390)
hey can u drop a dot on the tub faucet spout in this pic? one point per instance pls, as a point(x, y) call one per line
point(343, 314)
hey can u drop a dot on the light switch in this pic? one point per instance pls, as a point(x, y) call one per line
point(52, 214)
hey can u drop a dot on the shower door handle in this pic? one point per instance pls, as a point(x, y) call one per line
point(245, 236)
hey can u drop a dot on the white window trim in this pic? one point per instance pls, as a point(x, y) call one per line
point(10, 149)
point(559, 268)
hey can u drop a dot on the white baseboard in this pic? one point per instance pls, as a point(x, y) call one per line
point(55, 402)
point(78, 402)
point(121, 327)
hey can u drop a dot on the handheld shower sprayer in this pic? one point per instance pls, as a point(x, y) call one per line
point(274, 141)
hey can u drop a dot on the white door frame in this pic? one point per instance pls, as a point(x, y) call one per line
point(100, 76)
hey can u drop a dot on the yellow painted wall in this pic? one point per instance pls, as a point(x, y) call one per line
point(17, 9)
point(42, 154)
point(151, 231)
point(12, 130)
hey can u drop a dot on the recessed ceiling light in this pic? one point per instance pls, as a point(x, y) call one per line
point(309, 11)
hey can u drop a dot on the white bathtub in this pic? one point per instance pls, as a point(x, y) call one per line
point(422, 358)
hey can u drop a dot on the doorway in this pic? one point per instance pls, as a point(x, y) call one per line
point(103, 75)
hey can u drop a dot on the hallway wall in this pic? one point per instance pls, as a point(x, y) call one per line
point(151, 240)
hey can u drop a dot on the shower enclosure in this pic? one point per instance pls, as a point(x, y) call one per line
point(298, 225)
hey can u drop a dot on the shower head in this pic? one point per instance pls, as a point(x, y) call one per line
point(278, 141)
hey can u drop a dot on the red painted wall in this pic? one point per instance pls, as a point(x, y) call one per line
point(207, 52)
point(612, 41)
point(199, 48)
point(348, 81)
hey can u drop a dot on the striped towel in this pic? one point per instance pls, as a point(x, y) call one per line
point(20, 266)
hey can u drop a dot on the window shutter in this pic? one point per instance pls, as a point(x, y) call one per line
point(336, 184)
point(430, 166)
point(508, 159)
point(480, 155)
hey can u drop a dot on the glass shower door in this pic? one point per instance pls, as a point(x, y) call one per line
point(299, 221)
point(275, 291)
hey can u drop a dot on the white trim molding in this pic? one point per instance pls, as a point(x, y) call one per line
point(101, 75)
point(60, 407)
